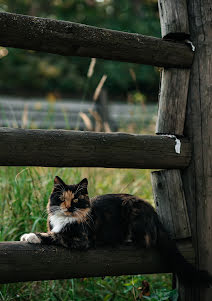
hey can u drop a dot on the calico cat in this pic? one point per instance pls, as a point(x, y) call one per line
point(77, 222)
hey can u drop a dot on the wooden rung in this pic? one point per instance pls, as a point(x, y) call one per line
point(67, 38)
point(62, 148)
point(21, 261)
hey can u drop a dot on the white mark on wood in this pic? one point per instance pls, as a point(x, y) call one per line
point(191, 44)
point(177, 142)
point(177, 145)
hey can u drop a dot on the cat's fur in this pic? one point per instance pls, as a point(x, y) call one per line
point(77, 222)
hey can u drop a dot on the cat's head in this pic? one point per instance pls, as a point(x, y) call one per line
point(69, 200)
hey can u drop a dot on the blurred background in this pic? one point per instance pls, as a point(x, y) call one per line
point(41, 90)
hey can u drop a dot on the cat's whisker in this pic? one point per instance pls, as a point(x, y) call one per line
point(54, 209)
point(84, 220)
point(81, 187)
point(60, 189)
point(78, 189)
point(89, 225)
point(80, 218)
point(90, 217)
point(59, 186)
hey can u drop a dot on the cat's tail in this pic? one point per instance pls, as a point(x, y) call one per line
point(185, 271)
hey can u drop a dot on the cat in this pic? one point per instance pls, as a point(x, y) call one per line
point(77, 222)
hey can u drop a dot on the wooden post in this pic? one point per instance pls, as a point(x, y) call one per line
point(172, 102)
point(171, 207)
point(174, 84)
point(197, 178)
point(170, 202)
point(171, 119)
point(173, 19)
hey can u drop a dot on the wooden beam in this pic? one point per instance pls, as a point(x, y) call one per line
point(174, 19)
point(172, 101)
point(68, 38)
point(21, 261)
point(20, 147)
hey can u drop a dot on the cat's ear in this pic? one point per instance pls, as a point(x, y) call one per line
point(84, 183)
point(58, 182)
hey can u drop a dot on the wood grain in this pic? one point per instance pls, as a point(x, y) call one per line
point(172, 101)
point(68, 38)
point(174, 19)
point(20, 147)
point(170, 202)
point(21, 261)
point(197, 178)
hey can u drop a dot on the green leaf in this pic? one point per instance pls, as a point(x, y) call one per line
point(107, 297)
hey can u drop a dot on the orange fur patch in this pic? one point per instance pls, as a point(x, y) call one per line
point(147, 240)
point(81, 215)
point(67, 197)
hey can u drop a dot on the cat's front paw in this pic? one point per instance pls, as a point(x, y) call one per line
point(31, 238)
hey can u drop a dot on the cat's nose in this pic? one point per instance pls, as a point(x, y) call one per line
point(70, 209)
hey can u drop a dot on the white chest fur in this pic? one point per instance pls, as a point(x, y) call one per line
point(58, 221)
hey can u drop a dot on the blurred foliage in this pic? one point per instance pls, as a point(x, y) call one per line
point(40, 73)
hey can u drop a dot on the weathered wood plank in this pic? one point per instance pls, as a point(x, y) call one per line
point(67, 38)
point(186, 249)
point(174, 19)
point(197, 178)
point(170, 202)
point(171, 119)
point(62, 148)
point(172, 101)
point(171, 207)
point(21, 261)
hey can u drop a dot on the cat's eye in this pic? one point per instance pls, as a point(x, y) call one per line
point(75, 200)
point(62, 198)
